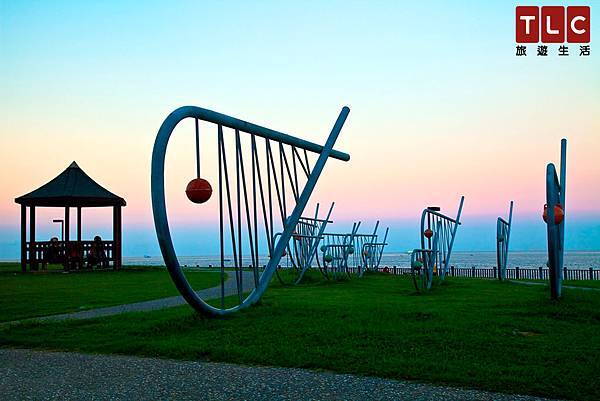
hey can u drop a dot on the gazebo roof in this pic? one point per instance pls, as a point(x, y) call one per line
point(73, 187)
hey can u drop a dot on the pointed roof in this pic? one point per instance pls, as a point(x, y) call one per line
point(73, 187)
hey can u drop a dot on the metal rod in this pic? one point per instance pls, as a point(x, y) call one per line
point(197, 149)
point(232, 122)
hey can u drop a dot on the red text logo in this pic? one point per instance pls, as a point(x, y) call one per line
point(552, 24)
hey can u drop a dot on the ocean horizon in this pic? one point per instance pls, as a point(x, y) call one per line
point(479, 259)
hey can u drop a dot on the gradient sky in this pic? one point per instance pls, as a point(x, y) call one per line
point(440, 106)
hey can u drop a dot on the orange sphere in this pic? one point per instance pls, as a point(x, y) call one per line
point(428, 233)
point(198, 190)
point(559, 214)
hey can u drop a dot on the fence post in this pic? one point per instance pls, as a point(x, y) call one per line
point(540, 270)
point(472, 271)
point(395, 271)
point(517, 272)
point(495, 276)
point(591, 273)
point(565, 273)
point(452, 270)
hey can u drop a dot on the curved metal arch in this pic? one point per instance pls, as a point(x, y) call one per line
point(372, 253)
point(307, 237)
point(339, 247)
point(556, 194)
point(159, 207)
point(369, 250)
point(445, 232)
point(502, 241)
point(314, 247)
point(422, 263)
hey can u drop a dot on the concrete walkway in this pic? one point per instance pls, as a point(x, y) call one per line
point(572, 287)
point(145, 306)
point(39, 375)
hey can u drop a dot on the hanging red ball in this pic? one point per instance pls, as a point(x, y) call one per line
point(559, 214)
point(198, 190)
point(428, 233)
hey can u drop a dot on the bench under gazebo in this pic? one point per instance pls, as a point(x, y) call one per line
point(72, 188)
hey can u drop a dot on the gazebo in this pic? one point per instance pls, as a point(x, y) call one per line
point(72, 188)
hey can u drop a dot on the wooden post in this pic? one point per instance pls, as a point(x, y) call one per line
point(517, 272)
point(67, 225)
point(117, 236)
point(540, 273)
point(78, 223)
point(591, 273)
point(32, 248)
point(23, 238)
point(67, 238)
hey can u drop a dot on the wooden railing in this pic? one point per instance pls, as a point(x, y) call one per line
point(38, 251)
point(516, 273)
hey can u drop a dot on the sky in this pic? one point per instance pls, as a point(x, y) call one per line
point(440, 107)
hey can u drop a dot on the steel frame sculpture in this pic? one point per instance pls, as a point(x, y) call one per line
point(364, 251)
point(554, 215)
point(422, 265)
point(241, 204)
point(502, 241)
point(438, 232)
point(371, 250)
point(304, 245)
point(335, 251)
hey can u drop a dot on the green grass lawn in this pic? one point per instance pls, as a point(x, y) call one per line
point(468, 332)
point(40, 294)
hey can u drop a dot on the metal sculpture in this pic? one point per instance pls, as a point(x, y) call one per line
point(364, 252)
point(423, 263)
point(502, 240)
point(304, 245)
point(438, 232)
point(261, 188)
point(554, 216)
point(371, 251)
point(335, 251)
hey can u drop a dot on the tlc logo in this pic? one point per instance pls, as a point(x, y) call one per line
point(554, 22)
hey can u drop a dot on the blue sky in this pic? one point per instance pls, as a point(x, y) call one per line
point(434, 81)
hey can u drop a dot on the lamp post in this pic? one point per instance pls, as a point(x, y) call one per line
point(62, 228)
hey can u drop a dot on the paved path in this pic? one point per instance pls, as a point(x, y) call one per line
point(155, 304)
point(39, 375)
point(573, 287)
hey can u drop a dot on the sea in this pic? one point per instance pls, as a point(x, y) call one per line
point(480, 259)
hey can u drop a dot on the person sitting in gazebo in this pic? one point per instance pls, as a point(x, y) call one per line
point(74, 256)
point(52, 253)
point(96, 254)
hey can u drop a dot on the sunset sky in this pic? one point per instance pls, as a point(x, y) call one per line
point(440, 107)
